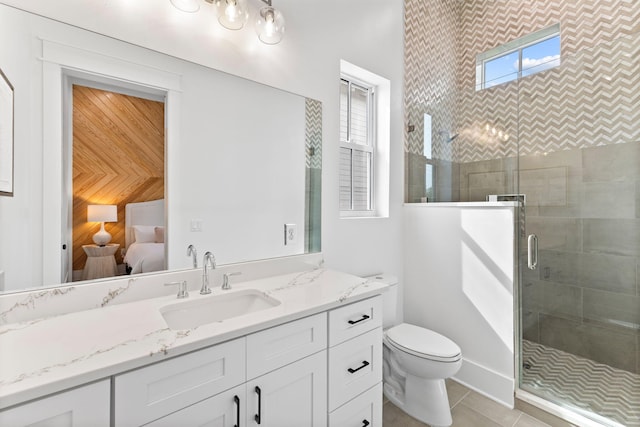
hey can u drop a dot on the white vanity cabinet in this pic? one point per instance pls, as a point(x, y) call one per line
point(323, 369)
point(83, 406)
point(355, 364)
point(286, 366)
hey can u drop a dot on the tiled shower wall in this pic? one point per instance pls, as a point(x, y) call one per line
point(431, 45)
point(577, 129)
point(313, 174)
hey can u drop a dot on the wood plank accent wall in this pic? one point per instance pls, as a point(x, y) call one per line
point(118, 158)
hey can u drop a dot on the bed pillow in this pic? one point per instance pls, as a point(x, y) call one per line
point(159, 234)
point(144, 233)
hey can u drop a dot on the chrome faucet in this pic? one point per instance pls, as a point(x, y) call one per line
point(208, 261)
point(225, 279)
point(191, 251)
point(182, 288)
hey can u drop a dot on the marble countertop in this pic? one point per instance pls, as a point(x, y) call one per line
point(47, 355)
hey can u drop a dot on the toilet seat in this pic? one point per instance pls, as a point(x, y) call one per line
point(423, 343)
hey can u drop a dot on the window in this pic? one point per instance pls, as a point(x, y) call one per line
point(522, 57)
point(357, 148)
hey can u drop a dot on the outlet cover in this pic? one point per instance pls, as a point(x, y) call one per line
point(290, 234)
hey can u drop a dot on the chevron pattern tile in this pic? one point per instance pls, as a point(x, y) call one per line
point(592, 99)
point(582, 383)
point(313, 133)
point(430, 79)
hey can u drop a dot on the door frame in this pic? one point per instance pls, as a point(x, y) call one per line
point(61, 64)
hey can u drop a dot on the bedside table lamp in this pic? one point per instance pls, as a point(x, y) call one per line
point(102, 214)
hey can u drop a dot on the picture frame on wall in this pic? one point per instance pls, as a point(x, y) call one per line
point(6, 136)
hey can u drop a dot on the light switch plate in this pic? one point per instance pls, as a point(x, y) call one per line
point(196, 225)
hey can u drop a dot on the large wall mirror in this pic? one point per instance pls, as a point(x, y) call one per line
point(214, 160)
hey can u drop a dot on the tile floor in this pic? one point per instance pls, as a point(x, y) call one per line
point(582, 383)
point(468, 409)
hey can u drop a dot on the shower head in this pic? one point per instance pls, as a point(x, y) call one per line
point(447, 136)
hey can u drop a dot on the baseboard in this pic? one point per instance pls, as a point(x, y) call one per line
point(487, 382)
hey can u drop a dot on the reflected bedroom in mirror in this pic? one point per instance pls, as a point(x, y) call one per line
point(117, 183)
point(125, 156)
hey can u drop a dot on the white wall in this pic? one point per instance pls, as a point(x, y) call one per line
point(459, 272)
point(319, 33)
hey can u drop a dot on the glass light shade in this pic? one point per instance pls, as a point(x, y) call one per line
point(270, 25)
point(232, 14)
point(190, 6)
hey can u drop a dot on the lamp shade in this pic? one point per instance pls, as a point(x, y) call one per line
point(102, 213)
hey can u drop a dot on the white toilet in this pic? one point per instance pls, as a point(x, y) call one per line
point(416, 363)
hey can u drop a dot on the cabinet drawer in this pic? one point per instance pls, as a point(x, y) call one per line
point(224, 409)
point(83, 406)
point(270, 349)
point(364, 410)
point(354, 367)
point(152, 392)
point(354, 319)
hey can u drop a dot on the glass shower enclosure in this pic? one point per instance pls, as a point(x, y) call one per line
point(579, 167)
point(567, 140)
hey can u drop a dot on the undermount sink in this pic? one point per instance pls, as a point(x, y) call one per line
point(215, 308)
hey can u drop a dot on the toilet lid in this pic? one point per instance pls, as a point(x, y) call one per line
point(421, 341)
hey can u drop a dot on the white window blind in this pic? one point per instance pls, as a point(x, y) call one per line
point(356, 146)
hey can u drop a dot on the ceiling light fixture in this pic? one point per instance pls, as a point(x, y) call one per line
point(189, 6)
point(233, 14)
point(270, 24)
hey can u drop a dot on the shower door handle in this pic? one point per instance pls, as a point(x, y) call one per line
point(532, 251)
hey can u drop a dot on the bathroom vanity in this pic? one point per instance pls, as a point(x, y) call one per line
point(310, 356)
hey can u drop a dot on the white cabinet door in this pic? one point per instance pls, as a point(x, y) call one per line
point(292, 396)
point(83, 406)
point(222, 410)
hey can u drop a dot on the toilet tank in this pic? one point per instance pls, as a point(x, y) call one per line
point(389, 299)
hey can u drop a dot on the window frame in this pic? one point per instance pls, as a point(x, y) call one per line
point(517, 45)
point(370, 147)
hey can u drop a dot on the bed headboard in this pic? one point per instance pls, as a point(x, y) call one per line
point(142, 213)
